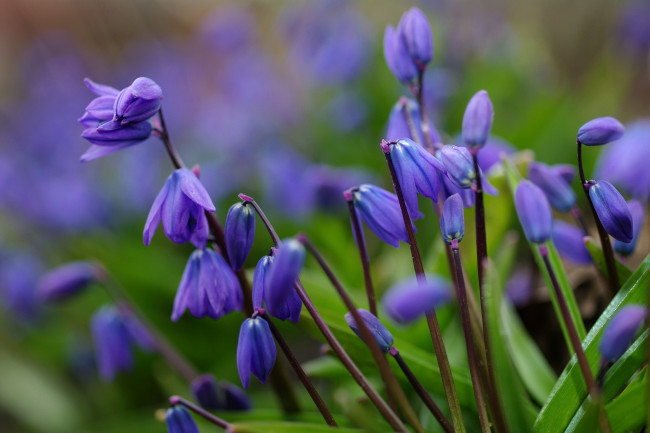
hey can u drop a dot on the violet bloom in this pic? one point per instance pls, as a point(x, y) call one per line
point(179, 420)
point(256, 350)
point(557, 189)
point(491, 154)
point(206, 392)
point(620, 331)
point(240, 232)
point(449, 188)
point(452, 220)
point(410, 299)
point(569, 241)
point(398, 126)
point(599, 131)
point(520, 287)
point(414, 28)
point(612, 210)
point(288, 307)
point(534, 212)
point(477, 120)
point(280, 279)
point(397, 55)
point(100, 109)
point(208, 287)
point(459, 167)
point(180, 206)
point(66, 281)
point(140, 101)
point(234, 398)
point(638, 214)
point(381, 335)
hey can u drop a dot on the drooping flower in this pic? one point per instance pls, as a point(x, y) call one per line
point(179, 420)
point(414, 28)
point(381, 335)
point(450, 188)
point(459, 168)
point(280, 278)
point(557, 189)
point(66, 281)
point(256, 350)
point(138, 102)
point(240, 232)
point(477, 120)
point(289, 307)
point(234, 398)
point(534, 212)
point(452, 220)
point(397, 55)
point(599, 131)
point(410, 299)
point(638, 214)
point(612, 210)
point(620, 331)
point(398, 125)
point(206, 392)
point(569, 241)
point(180, 206)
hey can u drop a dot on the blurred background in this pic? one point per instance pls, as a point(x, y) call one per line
point(285, 101)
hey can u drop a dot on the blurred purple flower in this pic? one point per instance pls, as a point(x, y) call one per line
point(382, 336)
point(534, 212)
point(557, 189)
point(66, 281)
point(569, 241)
point(18, 279)
point(520, 287)
point(416, 32)
point(620, 331)
point(234, 398)
point(410, 299)
point(206, 392)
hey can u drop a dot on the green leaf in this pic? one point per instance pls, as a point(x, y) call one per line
point(598, 257)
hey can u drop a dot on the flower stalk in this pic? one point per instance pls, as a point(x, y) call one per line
point(176, 400)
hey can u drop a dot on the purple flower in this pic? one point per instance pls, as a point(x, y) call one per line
point(452, 220)
point(240, 232)
point(206, 392)
point(138, 102)
point(180, 207)
point(638, 213)
point(565, 171)
point(66, 281)
point(18, 281)
point(382, 336)
point(569, 241)
point(100, 109)
point(459, 167)
point(477, 120)
point(450, 188)
point(410, 299)
point(520, 287)
point(234, 398)
point(255, 350)
point(557, 189)
point(111, 137)
point(398, 126)
point(620, 331)
point(612, 210)
point(416, 32)
point(281, 279)
point(288, 307)
point(397, 55)
point(534, 212)
point(490, 155)
point(208, 287)
point(179, 420)
point(599, 131)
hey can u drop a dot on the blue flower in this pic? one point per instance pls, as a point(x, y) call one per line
point(398, 126)
point(206, 392)
point(416, 32)
point(397, 55)
point(382, 336)
point(569, 241)
point(234, 398)
point(240, 232)
point(289, 307)
point(256, 350)
point(477, 120)
point(534, 212)
point(553, 183)
point(599, 131)
point(612, 210)
point(638, 214)
point(410, 299)
point(66, 281)
point(179, 420)
point(452, 220)
point(620, 331)
point(280, 279)
point(138, 102)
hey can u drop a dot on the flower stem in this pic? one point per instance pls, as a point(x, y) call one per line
point(175, 400)
point(575, 211)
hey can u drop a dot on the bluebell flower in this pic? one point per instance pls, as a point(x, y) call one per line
point(206, 392)
point(179, 420)
point(398, 126)
point(449, 188)
point(66, 281)
point(490, 154)
point(534, 212)
point(477, 120)
point(638, 214)
point(620, 331)
point(208, 287)
point(280, 279)
point(410, 299)
point(414, 28)
point(397, 56)
point(557, 189)
point(234, 398)
point(599, 131)
point(256, 350)
point(381, 335)
point(459, 167)
point(569, 241)
point(288, 307)
point(452, 220)
point(520, 287)
point(180, 206)
point(138, 102)
point(565, 171)
point(18, 286)
point(240, 232)
point(612, 210)
point(100, 109)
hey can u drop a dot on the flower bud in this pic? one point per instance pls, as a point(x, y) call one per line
point(569, 241)
point(459, 165)
point(138, 102)
point(179, 420)
point(66, 281)
point(599, 131)
point(452, 220)
point(397, 56)
point(410, 299)
point(414, 28)
point(534, 212)
point(477, 120)
point(256, 350)
point(612, 210)
point(620, 331)
point(557, 189)
point(638, 214)
point(234, 398)
point(379, 332)
point(283, 272)
point(206, 392)
point(240, 232)
point(291, 305)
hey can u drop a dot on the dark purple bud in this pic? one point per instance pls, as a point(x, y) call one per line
point(612, 210)
point(179, 420)
point(291, 305)
point(459, 165)
point(452, 220)
point(520, 287)
point(397, 56)
point(416, 32)
point(410, 299)
point(138, 102)
point(569, 241)
point(113, 134)
point(620, 331)
point(477, 121)
point(599, 131)
point(638, 214)
point(557, 189)
point(66, 281)
point(240, 232)
point(180, 207)
point(234, 398)
point(112, 342)
point(534, 212)
point(255, 350)
point(284, 270)
point(379, 332)
point(565, 171)
point(206, 392)
point(208, 287)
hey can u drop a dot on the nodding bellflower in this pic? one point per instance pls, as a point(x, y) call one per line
point(452, 220)
point(477, 120)
point(180, 206)
point(138, 102)
point(179, 420)
point(381, 335)
point(557, 189)
point(206, 392)
point(638, 214)
point(449, 188)
point(66, 281)
point(534, 212)
point(240, 232)
point(397, 55)
point(612, 210)
point(398, 125)
point(410, 299)
point(288, 308)
point(599, 131)
point(256, 350)
point(569, 241)
point(459, 168)
point(620, 331)
point(280, 279)
point(234, 398)
point(414, 28)
point(208, 287)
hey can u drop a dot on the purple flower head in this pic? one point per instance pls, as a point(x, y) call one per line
point(381, 212)
point(459, 167)
point(100, 109)
point(450, 188)
point(288, 308)
point(612, 210)
point(255, 350)
point(477, 120)
point(565, 171)
point(534, 212)
point(180, 206)
point(417, 171)
point(206, 392)
point(382, 336)
point(138, 102)
point(398, 126)
point(280, 279)
point(208, 287)
point(397, 55)
point(557, 189)
point(638, 214)
point(66, 281)
point(452, 220)
point(520, 287)
point(18, 286)
point(410, 299)
point(620, 331)
point(414, 28)
point(240, 232)
point(234, 398)
point(110, 137)
point(490, 155)
point(569, 241)
point(599, 131)
point(179, 420)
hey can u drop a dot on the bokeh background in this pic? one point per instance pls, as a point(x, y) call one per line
point(285, 101)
